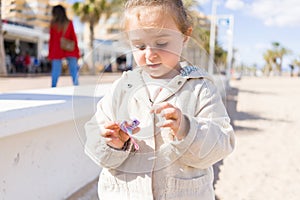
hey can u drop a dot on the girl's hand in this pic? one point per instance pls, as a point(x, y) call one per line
point(114, 136)
point(173, 117)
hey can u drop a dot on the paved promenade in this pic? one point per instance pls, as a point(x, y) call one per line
point(22, 82)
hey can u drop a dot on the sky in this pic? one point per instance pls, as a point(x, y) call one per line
point(258, 23)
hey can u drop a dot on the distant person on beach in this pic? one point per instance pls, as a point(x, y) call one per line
point(60, 27)
point(292, 69)
point(161, 127)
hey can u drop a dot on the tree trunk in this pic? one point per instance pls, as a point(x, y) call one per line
point(280, 66)
point(91, 46)
point(3, 70)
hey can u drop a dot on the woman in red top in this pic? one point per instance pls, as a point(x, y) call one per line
point(62, 26)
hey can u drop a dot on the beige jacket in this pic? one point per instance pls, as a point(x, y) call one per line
point(163, 167)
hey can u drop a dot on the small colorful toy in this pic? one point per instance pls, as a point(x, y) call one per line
point(127, 128)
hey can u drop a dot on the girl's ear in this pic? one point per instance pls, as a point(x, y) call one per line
point(187, 34)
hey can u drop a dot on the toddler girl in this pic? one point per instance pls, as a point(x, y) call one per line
point(162, 126)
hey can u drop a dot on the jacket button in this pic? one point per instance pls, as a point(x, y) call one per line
point(129, 85)
point(179, 82)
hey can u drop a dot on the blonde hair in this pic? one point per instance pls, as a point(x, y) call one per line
point(174, 8)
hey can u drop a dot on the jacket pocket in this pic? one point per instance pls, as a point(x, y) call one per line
point(192, 188)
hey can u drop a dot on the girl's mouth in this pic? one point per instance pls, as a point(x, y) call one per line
point(154, 65)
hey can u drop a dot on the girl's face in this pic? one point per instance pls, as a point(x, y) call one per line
point(157, 43)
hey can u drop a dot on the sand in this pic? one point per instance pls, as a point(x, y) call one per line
point(266, 161)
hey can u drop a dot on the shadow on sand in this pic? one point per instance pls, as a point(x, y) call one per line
point(231, 106)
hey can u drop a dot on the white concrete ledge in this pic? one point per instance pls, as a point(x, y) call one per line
point(31, 109)
point(41, 142)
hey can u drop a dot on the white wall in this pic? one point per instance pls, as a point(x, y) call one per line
point(46, 163)
point(41, 145)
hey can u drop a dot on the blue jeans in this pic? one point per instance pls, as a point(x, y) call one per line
point(57, 66)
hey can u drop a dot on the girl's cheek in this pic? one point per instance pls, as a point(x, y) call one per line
point(139, 58)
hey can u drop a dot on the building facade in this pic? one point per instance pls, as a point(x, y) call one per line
point(26, 27)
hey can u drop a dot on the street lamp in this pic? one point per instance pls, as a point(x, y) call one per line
point(229, 21)
point(212, 37)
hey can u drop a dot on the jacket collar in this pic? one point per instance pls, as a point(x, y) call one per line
point(186, 73)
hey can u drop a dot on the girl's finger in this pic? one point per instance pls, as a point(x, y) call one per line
point(157, 108)
point(170, 113)
point(108, 140)
point(166, 123)
point(110, 133)
point(136, 130)
point(106, 133)
point(173, 124)
point(111, 125)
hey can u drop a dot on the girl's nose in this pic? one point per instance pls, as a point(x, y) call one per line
point(150, 53)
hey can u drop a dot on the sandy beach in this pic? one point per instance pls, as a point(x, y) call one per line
point(265, 164)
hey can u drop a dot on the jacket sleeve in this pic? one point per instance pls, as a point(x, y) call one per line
point(210, 137)
point(95, 146)
point(50, 45)
point(72, 33)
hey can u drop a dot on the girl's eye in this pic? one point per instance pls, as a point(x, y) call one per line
point(140, 46)
point(161, 43)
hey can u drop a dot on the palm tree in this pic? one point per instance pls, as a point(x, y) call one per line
point(3, 70)
point(279, 52)
point(188, 4)
point(270, 58)
point(202, 34)
point(274, 57)
point(296, 62)
point(91, 11)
